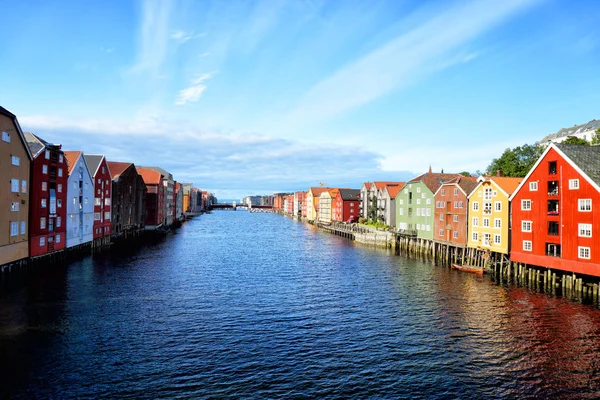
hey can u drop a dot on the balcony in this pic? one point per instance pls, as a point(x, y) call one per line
point(552, 228)
point(552, 168)
point(552, 207)
point(553, 250)
point(553, 188)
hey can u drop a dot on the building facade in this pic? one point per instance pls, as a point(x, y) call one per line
point(451, 211)
point(128, 199)
point(15, 164)
point(102, 181)
point(48, 195)
point(80, 201)
point(346, 205)
point(155, 198)
point(554, 221)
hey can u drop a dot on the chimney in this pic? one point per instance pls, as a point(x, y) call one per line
point(499, 172)
point(430, 168)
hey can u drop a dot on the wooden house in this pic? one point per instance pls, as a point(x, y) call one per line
point(155, 198)
point(128, 199)
point(346, 204)
point(15, 164)
point(48, 195)
point(451, 210)
point(80, 201)
point(102, 182)
point(554, 220)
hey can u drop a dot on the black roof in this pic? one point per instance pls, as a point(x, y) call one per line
point(93, 161)
point(349, 194)
point(587, 158)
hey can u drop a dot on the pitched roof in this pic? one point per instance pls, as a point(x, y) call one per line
point(36, 144)
point(433, 180)
point(72, 157)
point(93, 161)
point(394, 189)
point(316, 191)
point(508, 184)
point(380, 185)
point(164, 173)
point(587, 158)
point(150, 176)
point(117, 168)
point(350, 194)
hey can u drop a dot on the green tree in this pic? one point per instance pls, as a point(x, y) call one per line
point(373, 209)
point(596, 138)
point(516, 162)
point(465, 173)
point(575, 140)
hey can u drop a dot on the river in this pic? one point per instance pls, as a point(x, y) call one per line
point(241, 305)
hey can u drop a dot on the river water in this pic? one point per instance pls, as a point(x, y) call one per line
point(240, 305)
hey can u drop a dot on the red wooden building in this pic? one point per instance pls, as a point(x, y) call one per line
point(451, 209)
point(102, 179)
point(554, 224)
point(155, 197)
point(288, 202)
point(345, 204)
point(48, 197)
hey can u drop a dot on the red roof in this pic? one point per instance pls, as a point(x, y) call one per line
point(72, 157)
point(381, 185)
point(394, 189)
point(508, 184)
point(116, 168)
point(150, 176)
point(316, 191)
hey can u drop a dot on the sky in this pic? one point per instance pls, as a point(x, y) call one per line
point(256, 97)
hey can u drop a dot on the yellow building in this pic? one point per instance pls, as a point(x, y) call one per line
point(325, 200)
point(312, 202)
point(15, 163)
point(489, 213)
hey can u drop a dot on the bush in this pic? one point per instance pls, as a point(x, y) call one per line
point(362, 220)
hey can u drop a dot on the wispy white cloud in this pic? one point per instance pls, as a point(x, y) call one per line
point(107, 50)
point(194, 92)
point(183, 36)
point(405, 59)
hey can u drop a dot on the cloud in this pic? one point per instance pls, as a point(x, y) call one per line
point(107, 50)
point(193, 93)
point(183, 36)
point(405, 59)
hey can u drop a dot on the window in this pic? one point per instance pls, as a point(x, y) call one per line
point(525, 205)
point(497, 239)
point(103, 170)
point(486, 222)
point(23, 186)
point(497, 206)
point(58, 222)
point(487, 194)
point(456, 191)
point(44, 169)
point(97, 216)
point(487, 208)
point(475, 206)
point(43, 223)
point(42, 241)
point(479, 193)
point(533, 186)
point(573, 184)
point(14, 206)
point(16, 161)
point(74, 200)
point(60, 160)
point(455, 204)
point(584, 252)
point(418, 226)
point(43, 203)
point(401, 201)
point(107, 203)
point(14, 228)
point(455, 234)
point(455, 218)
point(441, 232)
point(585, 230)
point(475, 236)
point(552, 168)
point(443, 192)
point(418, 190)
point(427, 201)
point(59, 203)
point(97, 201)
point(60, 170)
point(427, 228)
point(441, 217)
point(527, 245)
point(585, 205)
point(418, 212)
point(401, 212)
point(5, 137)
point(486, 238)
point(23, 227)
point(418, 201)
point(59, 188)
point(14, 185)
point(497, 223)
point(44, 186)
point(57, 238)
point(525, 226)
point(475, 221)
point(552, 228)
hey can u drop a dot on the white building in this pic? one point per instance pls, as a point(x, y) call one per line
point(584, 131)
point(80, 200)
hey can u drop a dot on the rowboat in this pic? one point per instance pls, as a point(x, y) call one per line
point(467, 268)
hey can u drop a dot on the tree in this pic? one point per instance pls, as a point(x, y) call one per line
point(516, 162)
point(596, 138)
point(373, 209)
point(575, 140)
point(465, 173)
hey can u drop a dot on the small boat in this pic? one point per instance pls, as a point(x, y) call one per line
point(467, 268)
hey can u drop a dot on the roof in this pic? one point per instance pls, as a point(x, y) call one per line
point(509, 185)
point(466, 183)
point(350, 194)
point(380, 185)
point(434, 180)
point(13, 117)
point(36, 144)
point(72, 157)
point(316, 191)
point(587, 158)
point(164, 173)
point(394, 189)
point(150, 176)
point(93, 161)
point(117, 168)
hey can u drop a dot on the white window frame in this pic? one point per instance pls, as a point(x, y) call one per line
point(585, 230)
point(584, 252)
point(14, 228)
point(23, 228)
point(486, 222)
point(526, 226)
point(475, 236)
point(455, 234)
point(14, 185)
point(497, 239)
point(525, 205)
point(497, 206)
point(497, 222)
point(43, 223)
point(475, 206)
point(455, 218)
point(441, 232)
point(15, 160)
point(45, 169)
point(475, 221)
point(585, 205)
point(527, 245)
point(533, 186)
point(573, 184)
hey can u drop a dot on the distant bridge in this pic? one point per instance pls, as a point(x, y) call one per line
point(233, 206)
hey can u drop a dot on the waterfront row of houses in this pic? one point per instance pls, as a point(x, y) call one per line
point(545, 219)
point(53, 199)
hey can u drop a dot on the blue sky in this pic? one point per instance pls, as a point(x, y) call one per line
point(254, 97)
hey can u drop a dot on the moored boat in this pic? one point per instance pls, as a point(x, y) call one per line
point(467, 268)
